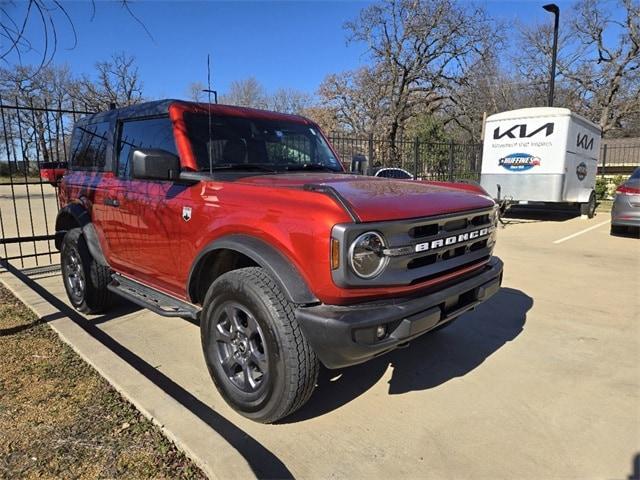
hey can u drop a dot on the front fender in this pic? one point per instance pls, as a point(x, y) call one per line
point(266, 256)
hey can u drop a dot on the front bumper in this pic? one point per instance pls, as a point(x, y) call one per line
point(346, 335)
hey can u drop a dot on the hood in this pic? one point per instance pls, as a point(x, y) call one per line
point(377, 199)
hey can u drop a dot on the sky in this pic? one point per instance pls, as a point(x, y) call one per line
point(291, 44)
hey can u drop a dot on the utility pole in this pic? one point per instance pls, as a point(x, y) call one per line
point(553, 8)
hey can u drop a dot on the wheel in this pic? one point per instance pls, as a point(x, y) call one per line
point(589, 208)
point(84, 279)
point(255, 351)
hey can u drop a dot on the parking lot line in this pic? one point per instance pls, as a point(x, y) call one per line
point(569, 237)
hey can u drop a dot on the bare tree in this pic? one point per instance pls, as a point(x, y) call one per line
point(287, 100)
point(118, 83)
point(359, 99)
point(246, 93)
point(325, 117)
point(420, 50)
point(196, 92)
point(598, 62)
point(34, 133)
point(34, 27)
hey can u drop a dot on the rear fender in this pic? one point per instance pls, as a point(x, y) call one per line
point(75, 215)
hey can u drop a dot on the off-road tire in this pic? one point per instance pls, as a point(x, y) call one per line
point(94, 296)
point(291, 365)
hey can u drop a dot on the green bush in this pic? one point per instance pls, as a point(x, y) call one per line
point(602, 188)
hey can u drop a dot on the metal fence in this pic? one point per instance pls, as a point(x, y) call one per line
point(619, 158)
point(424, 160)
point(459, 161)
point(31, 136)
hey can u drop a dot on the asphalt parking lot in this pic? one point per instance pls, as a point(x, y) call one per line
point(542, 381)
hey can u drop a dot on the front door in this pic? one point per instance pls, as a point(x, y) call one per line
point(148, 228)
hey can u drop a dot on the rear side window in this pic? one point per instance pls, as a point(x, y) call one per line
point(91, 147)
point(139, 134)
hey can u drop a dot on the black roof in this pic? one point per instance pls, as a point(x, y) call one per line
point(161, 107)
point(147, 109)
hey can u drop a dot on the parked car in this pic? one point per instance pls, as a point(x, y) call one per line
point(625, 212)
point(392, 172)
point(246, 221)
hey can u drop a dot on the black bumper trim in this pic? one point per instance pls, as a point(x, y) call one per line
point(343, 335)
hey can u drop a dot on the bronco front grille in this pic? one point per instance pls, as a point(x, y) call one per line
point(422, 248)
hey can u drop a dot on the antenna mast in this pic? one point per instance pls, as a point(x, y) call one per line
point(210, 142)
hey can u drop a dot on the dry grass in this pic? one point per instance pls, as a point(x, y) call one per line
point(60, 419)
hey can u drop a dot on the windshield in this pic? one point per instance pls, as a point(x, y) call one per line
point(276, 145)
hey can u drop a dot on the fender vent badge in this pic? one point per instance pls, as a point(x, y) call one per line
point(186, 213)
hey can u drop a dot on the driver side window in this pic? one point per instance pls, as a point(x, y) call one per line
point(145, 133)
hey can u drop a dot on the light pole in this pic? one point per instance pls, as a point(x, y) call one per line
point(553, 8)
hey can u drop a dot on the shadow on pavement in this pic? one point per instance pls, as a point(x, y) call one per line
point(263, 462)
point(430, 360)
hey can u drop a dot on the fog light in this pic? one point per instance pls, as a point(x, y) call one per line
point(381, 331)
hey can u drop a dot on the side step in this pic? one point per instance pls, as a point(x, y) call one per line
point(147, 297)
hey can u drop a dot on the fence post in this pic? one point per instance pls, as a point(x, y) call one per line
point(604, 159)
point(451, 160)
point(416, 154)
point(371, 150)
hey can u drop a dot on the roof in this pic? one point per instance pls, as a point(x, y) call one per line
point(536, 112)
point(161, 107)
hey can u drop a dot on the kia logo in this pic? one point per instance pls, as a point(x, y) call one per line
point(522, 131)
point(583, 141)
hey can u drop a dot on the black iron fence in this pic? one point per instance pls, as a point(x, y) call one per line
point(424, 160)
point(31, 136)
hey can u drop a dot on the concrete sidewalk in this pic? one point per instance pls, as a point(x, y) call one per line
point(543, 381)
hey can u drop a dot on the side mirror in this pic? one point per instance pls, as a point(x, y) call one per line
point(52, 172)
point(155, 164)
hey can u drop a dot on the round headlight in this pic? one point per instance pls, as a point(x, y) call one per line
point(365, 255)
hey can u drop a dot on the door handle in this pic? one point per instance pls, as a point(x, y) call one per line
point(111, 202)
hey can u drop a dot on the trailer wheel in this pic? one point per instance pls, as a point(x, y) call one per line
point(589, 208)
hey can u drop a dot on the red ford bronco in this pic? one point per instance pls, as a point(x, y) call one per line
point(246, 221)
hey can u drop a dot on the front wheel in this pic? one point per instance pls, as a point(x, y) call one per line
point(256, 353)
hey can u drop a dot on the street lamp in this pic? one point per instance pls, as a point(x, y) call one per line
point(553, 8)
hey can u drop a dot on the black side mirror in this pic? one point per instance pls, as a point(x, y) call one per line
point(155, 164)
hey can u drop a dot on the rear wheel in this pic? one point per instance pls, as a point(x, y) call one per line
point(85, 280)
point(254, 349)
point(589, 208)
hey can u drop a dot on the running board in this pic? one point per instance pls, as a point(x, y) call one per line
point(147, 297)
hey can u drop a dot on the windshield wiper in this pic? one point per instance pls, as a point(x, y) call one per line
point(310, 167)
point(243, 167)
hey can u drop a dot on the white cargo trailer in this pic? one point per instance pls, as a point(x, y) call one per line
point(541, 155)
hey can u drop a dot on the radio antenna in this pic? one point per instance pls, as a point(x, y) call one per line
point(210, 142)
